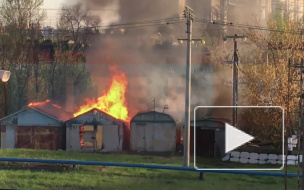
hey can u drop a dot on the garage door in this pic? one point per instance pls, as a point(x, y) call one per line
point(45, 138)
point(140, 138)
point(110, 138)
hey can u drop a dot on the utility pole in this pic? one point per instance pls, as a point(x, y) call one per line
point(292, 67)
point(300, 125)
point(288, 120)
point(188, 13)
point(235, 77)
point(299, 130)
point(226, 5)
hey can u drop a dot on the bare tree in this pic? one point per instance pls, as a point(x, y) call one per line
point(91, 27)
point(80, 22)
point(71, 17)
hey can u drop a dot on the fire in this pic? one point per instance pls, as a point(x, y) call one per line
point(113, 102)
point(56, 106)
point(38, 103)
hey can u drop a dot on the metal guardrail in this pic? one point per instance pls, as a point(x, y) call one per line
point(147, 166)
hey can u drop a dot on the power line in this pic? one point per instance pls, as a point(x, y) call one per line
point(49, 9)
point(179, 19)
point(126, 27)
point(157, 22)
point(247, 26)
point(175, 20)
point(135, 24)
point(146, 25)
point(58, 9)
point(145, 22)
point(195, 20)
point(140, 24)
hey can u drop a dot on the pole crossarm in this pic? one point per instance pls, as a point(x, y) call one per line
point(235, 36)
point(191, 39)
point(297, 66)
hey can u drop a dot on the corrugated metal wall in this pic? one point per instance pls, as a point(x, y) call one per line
point(109, 138)
point(157, 137)
point(220, 143)
point(46, 138)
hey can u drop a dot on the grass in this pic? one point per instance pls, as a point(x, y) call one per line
point(41, 176)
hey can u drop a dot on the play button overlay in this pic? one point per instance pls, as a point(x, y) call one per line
point(254, 142)
point(235, 138)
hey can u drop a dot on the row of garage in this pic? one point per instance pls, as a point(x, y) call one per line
point(49, 127)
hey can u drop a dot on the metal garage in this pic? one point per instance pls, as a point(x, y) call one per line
point(95, 131)
point(153, 132)
point(34, 128)
point(210, 137)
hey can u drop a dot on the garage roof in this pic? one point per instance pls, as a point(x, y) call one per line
point(50, 110)
point(85, 117)
point(215, 122)
point(153, 116)
point(55, 112)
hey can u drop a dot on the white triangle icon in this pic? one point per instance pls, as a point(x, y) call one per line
point(235, 138)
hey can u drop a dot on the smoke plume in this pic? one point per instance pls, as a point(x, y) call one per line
point(153, 61)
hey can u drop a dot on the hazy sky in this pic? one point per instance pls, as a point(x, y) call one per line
point(53, 7)
point(52, 14)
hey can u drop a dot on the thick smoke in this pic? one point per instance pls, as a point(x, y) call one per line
point(138, 10)
point(98, 3)
point(154, 66)
point(93, 4)
point(107, 10)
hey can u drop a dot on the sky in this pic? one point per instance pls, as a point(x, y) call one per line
point(52, 15)
point(53, 8)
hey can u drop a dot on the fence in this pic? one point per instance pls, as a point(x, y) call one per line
point(148, 166)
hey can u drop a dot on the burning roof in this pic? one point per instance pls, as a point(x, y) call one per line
point(96, 111)
point(52, 110)
point(112, 102)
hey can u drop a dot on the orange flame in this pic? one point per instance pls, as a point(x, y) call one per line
point(38, 103)
point(56, 106)
point(113, 102)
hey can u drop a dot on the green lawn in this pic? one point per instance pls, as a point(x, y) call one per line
point(41, 176)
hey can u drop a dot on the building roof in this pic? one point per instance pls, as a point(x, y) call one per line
point(157, 117)
point(54, 111)
point(221, 120)
point(51, 112)
point(98, 110)
point(215, 120)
